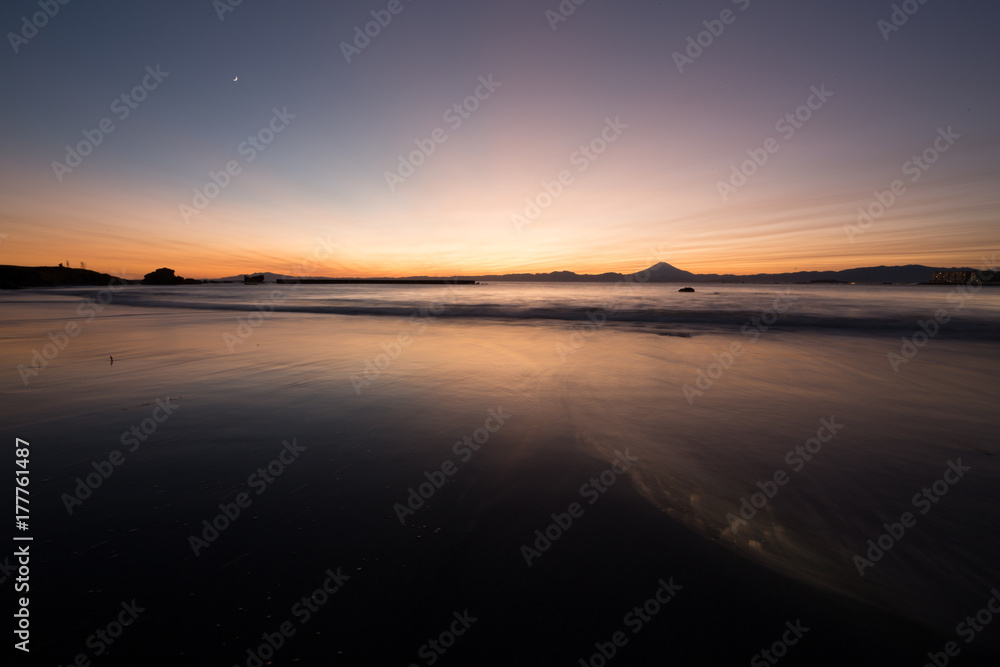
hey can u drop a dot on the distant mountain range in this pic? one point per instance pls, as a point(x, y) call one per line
point(665, 273)
point(911, 273)
point(13, 277)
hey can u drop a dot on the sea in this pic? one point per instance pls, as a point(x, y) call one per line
point(347, 474)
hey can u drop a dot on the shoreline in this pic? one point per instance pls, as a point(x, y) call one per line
point(461, 551)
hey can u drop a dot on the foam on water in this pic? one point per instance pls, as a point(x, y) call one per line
point(659, 307)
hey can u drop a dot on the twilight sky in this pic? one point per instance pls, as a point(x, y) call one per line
point(659, 135)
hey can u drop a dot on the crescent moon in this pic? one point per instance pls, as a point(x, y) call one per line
point(236, 78)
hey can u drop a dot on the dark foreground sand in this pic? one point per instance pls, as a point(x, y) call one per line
point(405, 584)
point(331, 511)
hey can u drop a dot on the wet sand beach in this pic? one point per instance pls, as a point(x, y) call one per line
point(320, 470)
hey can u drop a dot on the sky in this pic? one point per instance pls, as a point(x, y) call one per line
point(469, 137)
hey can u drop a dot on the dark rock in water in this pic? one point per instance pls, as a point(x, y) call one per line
point(686, 289)
point(166, 276)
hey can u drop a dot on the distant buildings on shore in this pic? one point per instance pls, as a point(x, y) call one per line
point(964, 278)
point(954, 277)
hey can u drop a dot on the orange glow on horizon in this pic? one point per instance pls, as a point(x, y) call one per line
point(130, 230)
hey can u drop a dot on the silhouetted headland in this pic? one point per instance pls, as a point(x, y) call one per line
point(18, 277)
